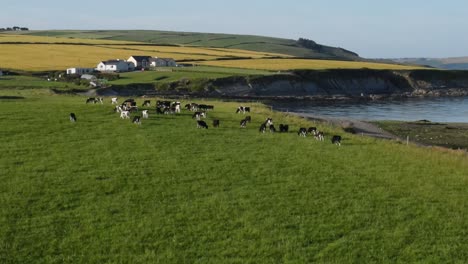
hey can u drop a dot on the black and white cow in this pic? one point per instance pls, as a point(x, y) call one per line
point(243, 110)
point(202, 124)
point(302, 132)
point(248, 118)
point(243, 123)
point(159, 111)
point(144, 114)
point(268, 123)
point(320, 136)
point(125, 115)
point(283, 128)
point(216, 123)
point(114, 100)
point(336, 140)
point(72, 117)
point(199, 115)
point(91, 100)
point(176, 107)
point(146, 103)
point(312, 130)
point(136, 120)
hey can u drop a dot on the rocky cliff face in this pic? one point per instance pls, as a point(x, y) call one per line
point(346, 84)
point(333, 84)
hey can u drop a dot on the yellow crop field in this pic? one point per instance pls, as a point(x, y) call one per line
point(295, 64)
point(37, 57)
point(40, 39)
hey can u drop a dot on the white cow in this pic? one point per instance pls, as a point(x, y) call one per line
point(114, 100)
point(144, 114)
point(125, 114)
point(177, 107)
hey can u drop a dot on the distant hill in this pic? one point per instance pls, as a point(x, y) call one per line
point(299, 48)
point(456, 63)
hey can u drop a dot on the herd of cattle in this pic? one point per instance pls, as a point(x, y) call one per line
point(200, 112)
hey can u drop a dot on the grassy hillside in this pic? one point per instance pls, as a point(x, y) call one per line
point(303, 64)
point(245, 42)
point(26, 52)
point(105, 190)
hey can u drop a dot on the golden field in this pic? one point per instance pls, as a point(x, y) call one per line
point(296, 64)
point(59, 54)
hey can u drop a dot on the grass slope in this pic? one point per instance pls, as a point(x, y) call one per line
point(247, 42)
point(105, 190)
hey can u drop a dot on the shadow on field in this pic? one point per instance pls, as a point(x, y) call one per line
point(7, 97)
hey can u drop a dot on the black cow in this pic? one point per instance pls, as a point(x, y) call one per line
point(216, 123)
point(136, 120)
point(312, 130)
point(72, 117)
point(248, 119)
point(202, 124)
point(146, 103)
point(283, 128)
point(163, 104)
point(210, 107)
point(336, 140)
point(159, 111)
point(302, 132)
point(247, 109)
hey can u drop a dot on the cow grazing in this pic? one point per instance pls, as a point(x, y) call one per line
point(91, 100)
point(216, 123)
point(177, 107)
point(210, 107)
point(136, 120)
point(243, 123)
point(202, 124)
point(283, 128)
point(72, 117)
point(320, 136)
point(268, 123)
point(242, 109)
point(312, 130)
point(336, 140)
point(248, 118)
point(125, 115)
point(114, 100)
point(99, 100)
point(302, 132)
point(146, 103)
point(159, 111)
point(199, 115)
point(144, 114)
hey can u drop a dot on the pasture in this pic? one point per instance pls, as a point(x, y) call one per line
point(106, 190)
point(304, 64)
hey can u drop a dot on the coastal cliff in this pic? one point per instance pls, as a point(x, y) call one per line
point(330, 84)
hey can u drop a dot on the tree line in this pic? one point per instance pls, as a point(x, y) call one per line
point(15, 28)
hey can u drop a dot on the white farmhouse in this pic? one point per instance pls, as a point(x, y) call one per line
point(80, 71)
point(115, 66)
point(140, 62)
point(162, 62)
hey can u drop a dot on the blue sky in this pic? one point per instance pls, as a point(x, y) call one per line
point(372, 28)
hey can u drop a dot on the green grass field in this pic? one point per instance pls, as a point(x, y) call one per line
point(103, 190)
point(448, 135)
point(29, 82)
point(176, 74)
point(231, 41)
